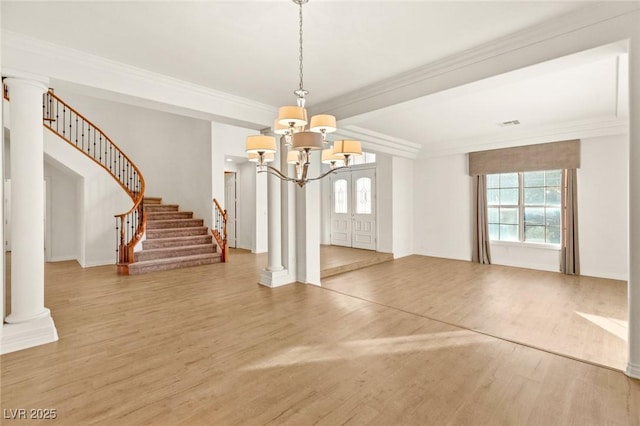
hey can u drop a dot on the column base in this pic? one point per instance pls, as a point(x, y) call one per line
point(17, 319)
point(276, 278)
point(28, 334)
point(633, 370)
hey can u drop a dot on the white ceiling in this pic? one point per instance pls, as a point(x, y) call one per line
point(249, 49)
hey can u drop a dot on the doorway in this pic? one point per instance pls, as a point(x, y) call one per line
point(231, 205)
point(353, 209)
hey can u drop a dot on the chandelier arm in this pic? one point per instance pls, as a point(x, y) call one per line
point(277, 173)
point(329, 172)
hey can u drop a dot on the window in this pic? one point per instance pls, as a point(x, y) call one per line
point(365, 158)
point(363, 205)
point(340, 196)
point(525, 206)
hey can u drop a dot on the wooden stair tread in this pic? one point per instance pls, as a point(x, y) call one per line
point(174, 259)
point(169, 230)
point(175, 239)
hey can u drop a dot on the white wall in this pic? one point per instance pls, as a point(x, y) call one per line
point(442, 201)
point(384, 176)
point(442, 222)
point(603, 207)
point(252, 209)
point(403, 196)
point(226, 141)
point(102, 197)
point(62, 213)
point(173, 152)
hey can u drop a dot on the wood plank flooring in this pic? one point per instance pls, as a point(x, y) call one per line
point(581, 317)
point(208, 346)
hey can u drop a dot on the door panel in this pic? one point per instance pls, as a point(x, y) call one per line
point(364, 217)
point(353, 214)
point(341, 210)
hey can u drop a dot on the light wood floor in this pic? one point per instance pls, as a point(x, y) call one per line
point(207, 345)
point(336, 260)
point(581, 317)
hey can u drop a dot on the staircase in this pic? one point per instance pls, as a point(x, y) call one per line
point(174, 239)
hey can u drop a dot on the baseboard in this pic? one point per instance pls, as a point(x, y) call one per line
point(61, 258)
point(98, 263)
point(275, 279)
point(16, 337)
point(633, 370)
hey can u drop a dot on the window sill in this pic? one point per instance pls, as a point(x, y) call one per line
point(538, 246)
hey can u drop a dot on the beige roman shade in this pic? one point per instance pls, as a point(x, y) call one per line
point(546, 156)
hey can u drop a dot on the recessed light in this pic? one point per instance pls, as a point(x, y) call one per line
point(229, 160)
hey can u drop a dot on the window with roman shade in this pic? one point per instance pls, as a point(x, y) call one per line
point(518, 206)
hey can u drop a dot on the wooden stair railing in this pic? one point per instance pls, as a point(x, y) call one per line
point(219, 230)
point(74, 128)
point(82, 134)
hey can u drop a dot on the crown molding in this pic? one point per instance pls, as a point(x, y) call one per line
point(411, 84)
point(379, 142)
point(29, 54)
point(599, 127)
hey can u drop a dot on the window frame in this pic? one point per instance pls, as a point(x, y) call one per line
point(521, 206)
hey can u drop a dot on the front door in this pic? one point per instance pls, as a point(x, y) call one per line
point(353, 212)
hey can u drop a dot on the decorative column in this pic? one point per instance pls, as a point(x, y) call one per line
point(275, 233)
point(31, 321)
point(275, 274)
point(308, 227)
point(633, 367)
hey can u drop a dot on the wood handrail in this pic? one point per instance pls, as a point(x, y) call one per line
point(70, 108)
point(115, 162)
point(220, 233)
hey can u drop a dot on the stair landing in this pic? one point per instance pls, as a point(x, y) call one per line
point(174, 239)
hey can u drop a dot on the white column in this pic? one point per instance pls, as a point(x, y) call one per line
point(308, 227)
point(27, 202)
point(274, 229)
point(30, 323)
point(276, 274)
point(633, 367)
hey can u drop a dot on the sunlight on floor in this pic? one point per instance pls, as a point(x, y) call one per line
point(370, 347)
point(617, 327)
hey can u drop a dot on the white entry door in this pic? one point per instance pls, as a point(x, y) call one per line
point(353, 213)
point(230, 202)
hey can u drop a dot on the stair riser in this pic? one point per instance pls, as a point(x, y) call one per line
point(168, 215)
point(133, 270)
point(186, 232)
point(177, 252)
point(161, 208)
point(184, 223)
point(152, 200)
point(203, 239)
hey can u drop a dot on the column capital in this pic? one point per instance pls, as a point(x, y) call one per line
point(15, 78)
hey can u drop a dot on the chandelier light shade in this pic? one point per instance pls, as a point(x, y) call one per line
point(346, 147)
point(260, 144)
point(328, 157)
point(292, 116)
point(291, 124)
point(323, 124)
point(307, 140)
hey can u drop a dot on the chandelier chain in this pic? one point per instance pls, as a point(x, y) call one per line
point(300, 50)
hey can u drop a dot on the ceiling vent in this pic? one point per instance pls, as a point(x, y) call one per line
point(509, 123)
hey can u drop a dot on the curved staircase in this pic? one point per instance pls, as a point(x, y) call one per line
point(174, 239)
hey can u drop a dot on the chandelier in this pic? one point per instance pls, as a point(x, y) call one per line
point(291, 125)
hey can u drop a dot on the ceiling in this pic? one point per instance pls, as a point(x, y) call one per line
point(249, 49)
